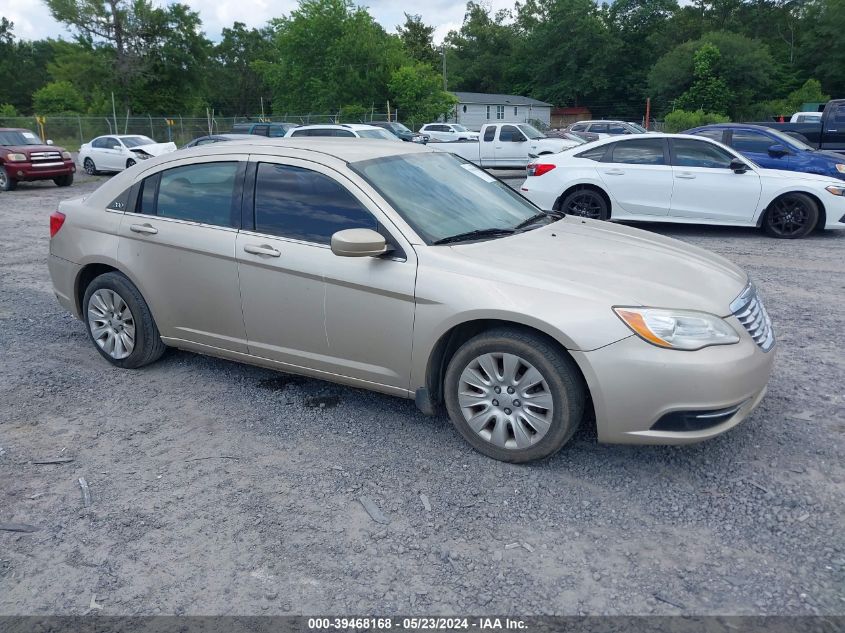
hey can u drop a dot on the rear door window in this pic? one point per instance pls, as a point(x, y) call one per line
point(196, 193)
point(638, 152)
point(490, 133)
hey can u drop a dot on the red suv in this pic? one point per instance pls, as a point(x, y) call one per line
point(24, 157)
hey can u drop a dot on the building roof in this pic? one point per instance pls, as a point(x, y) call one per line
point(494, 99)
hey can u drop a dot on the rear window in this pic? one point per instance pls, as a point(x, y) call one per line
point(596, 153)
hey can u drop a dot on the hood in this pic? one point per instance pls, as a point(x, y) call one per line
point(28, 149)
point(607, 262)
point(155, 149)
point(553, 141)
point(802, 176)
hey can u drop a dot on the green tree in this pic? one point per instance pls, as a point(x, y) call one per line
point(7, 110)
point(22, 67)
point(709, 92)
point(58, 97)
point(417, 38)
point(417, 92)
point(821, 53)
point(237, 87)
point(680, 120)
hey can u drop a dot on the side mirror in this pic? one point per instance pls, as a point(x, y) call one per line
point(358, 243)
point(738, 166)
point(778, 150)
point(518, 138)
point(49, 142)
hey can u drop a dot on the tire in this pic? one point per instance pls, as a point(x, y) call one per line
point(129, 163)
point(64, 181)
point(147, 346)
point(6, 182)
point(586, 203)
point(791, 216)
point(494, 423)
point(89, 167)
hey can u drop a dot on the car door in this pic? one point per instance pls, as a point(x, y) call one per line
point(706, 188)
point(833, 135)
point(755, 145)
point(638, 175)
point(107, 153)
point(510, 148)
point(179, 245)
point(303, 305)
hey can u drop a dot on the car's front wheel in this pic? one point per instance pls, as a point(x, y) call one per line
point(64, 181)
point(514, 395)
point(129, 163)
point(790, 216)
point(6, 182)
point(90, 167)
point(586, 203)
point(120, 323)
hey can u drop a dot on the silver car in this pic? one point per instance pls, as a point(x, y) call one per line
point(392, 267)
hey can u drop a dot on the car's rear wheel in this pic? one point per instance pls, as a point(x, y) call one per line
point(120, 323)
point(64, 181)
point(791, 216)
point(514, 395)
point(6, 182)
point(129, 163)
point(90, 167)
point(586, 203)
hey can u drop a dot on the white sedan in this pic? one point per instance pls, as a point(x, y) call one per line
point(683, 179)
point(118, 152)
point(448, 132)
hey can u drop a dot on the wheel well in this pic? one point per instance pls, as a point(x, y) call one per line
point(822, 213)
point(452, 340)
point(88, 274)
point(595, 188)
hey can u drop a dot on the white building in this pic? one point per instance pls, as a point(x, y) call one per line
point(474, 109)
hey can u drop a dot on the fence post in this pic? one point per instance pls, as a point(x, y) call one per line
point(79, 121)
point(108, 122)
point(152, 132)
point(181, 128)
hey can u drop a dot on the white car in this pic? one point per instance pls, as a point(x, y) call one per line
point(116, 152)
point(448, 132)
point(348, 130)
point(806, 117)
point(607, 128)
point(683, 179)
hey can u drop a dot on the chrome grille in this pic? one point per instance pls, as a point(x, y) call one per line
point(36, 156)
point(749, 310)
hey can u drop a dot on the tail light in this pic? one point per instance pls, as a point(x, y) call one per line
point(57, 218)
point(538, 169)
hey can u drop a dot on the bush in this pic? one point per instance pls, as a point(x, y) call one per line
point(7, 110)
point(681, 120)
point(58, 97)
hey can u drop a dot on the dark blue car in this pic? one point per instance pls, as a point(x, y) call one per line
point(772, 149)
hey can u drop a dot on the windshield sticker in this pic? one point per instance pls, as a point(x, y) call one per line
point(478, 172)
point(29, 135)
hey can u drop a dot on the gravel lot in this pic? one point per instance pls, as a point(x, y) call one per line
point(219, 488)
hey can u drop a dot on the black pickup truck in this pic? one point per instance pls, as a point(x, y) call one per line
point(829, 134)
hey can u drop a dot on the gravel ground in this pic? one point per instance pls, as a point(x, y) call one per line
point(219, 488)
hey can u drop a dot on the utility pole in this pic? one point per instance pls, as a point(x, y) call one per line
point(647, 111)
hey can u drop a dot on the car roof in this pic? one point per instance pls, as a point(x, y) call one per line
point(338, 126)
point(348, 150)
point(732, 126)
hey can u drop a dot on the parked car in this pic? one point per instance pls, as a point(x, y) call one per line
point(605, 128)
point(216, 138)
point(395, 268)
point(774, 150)
point(582, 137)
point(401, 131)
point(348, 130)
point(806, 117)
point(507, 145)
point(273, 130)
point(448, 132)
point(116, 152)
point(683, 179)
point(23, 157)
point(827, 133)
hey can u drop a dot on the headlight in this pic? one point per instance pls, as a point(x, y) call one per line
point(836, 190)
point(677, 329)
point(17, 158)
point(66, 155)
point(840, 167)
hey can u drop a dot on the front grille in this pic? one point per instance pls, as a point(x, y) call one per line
point(749, 310)
point(38, 156)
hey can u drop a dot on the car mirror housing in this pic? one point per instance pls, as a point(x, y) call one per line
point(49, 142)
point(358, 243)
point(778, 150)
point(738, 166)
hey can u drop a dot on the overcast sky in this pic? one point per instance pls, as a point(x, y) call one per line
point(33, 21)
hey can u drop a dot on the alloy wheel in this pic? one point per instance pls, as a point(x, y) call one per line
point(506, 400)
point(4, 179)
point(789, 216)
point(90, 169)
point(585, 205)
point(111, 323)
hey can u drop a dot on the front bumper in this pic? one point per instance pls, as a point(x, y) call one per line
point(29, 171)
point(634, 384)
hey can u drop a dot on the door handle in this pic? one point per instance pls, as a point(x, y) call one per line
point(615, 172)
point(685, 176)
point(143, 228)
point(263, 249)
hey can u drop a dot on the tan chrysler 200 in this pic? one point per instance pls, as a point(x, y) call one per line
point(397, 268)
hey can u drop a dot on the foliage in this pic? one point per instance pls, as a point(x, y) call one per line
point(417, 93)
point(680, 120)
point(8, 110)
point(708, 91)
point(417, 39)
point(58, 97)
point(238, 87)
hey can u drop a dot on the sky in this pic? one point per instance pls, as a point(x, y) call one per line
point(33, 21)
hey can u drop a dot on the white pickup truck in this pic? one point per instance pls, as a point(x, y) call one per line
point(505, 145)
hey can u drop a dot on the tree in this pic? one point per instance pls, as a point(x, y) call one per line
point(7, 110)
point(709, 92)
point(238, 87)
point(680, 120)
point(58, 97)
point(417, 39)
point(821, 52)
point(417, 92)
point(22, 67)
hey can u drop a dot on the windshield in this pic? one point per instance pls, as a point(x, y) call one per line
point(136, 141)
point(459, 128)
point(441, 195)
point(400, 127)
point(790, 141)
point(15, 137)
point(638, 127)
point(530, 131)
point(384, 135)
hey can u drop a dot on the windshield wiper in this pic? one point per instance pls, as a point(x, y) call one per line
point(471, 235)
point(535, 218)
